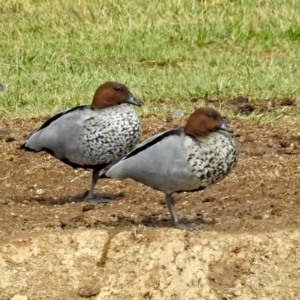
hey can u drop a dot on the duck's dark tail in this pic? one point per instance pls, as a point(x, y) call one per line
point(23, 147)
point(103, 176)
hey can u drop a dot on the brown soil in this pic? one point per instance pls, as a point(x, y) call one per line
point(53, 246)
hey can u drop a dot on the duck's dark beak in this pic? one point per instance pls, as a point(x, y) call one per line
point(224, 126)
point(134, 101)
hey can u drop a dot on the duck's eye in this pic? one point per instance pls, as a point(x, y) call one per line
point(209, 115)
point(117, 88)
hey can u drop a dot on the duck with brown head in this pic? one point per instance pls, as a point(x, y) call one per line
point(203, 121)
point(91, 136)
point(182, 159)
point(112, 93)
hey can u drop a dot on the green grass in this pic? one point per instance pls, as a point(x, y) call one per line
point(53, 54)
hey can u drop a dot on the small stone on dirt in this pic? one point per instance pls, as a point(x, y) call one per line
point(88, 207)
point(177, 112)
point(89, 290)
point(39, 191)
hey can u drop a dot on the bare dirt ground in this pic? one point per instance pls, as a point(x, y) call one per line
point(53, 246)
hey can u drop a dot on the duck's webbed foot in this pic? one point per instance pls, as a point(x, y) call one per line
point(175, 219)
point(91, 198)
point(190, 226)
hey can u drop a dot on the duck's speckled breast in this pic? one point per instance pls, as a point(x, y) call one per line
point(109, 134)
point(212, 157)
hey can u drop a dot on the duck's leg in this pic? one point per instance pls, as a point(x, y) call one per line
point(175, 219)
point(90, 196)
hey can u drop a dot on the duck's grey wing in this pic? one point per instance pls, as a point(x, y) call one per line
point(61, 136)
point(160, 163)
point(152, 141)
point(51, 120)
point(58, 115)
point(142, 146)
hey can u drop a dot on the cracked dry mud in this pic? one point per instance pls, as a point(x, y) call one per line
point(52, 246)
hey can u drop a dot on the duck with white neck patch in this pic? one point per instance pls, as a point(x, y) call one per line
point(91, 136)
point(182, 159)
